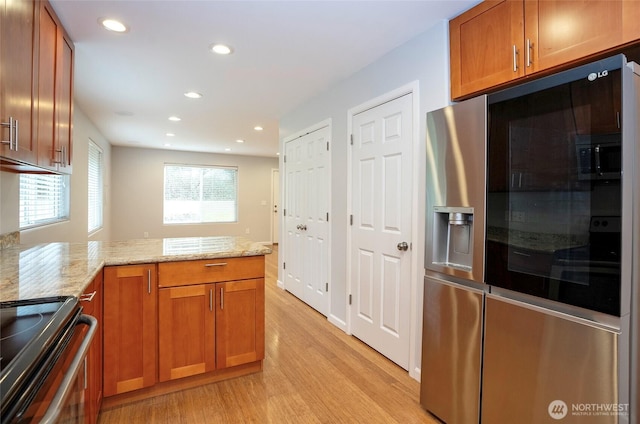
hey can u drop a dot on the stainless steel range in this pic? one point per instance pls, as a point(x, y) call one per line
point(43, 346)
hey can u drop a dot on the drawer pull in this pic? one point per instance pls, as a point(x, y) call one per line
point(218, 264)
point(87, 297)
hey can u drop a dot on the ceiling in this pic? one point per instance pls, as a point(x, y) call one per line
point(284, 53)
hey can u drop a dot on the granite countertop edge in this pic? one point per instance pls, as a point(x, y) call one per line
point(67, 269)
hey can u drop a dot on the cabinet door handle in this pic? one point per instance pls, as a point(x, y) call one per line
point(515, 59)
point(221, 297)
point(12, 130)
point(211, 299)
point(529, 47)
point(87, 297)
point(149, 281)
point(217, 264)
point(62, 156)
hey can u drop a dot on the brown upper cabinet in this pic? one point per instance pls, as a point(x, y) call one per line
point(497, 42)
point(37, 65)
point(17, 29)
point(54, 96)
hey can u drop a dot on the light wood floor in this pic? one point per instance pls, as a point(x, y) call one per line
point(313, 373)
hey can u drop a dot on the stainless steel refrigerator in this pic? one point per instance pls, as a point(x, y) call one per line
point(532, 276)
point(454, 261)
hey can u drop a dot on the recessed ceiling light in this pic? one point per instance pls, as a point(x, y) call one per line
point(113, 25)
point(277, 153)
point(192, 95)
point(174, 119)
point(258, 128)
point(167, 144)
point(239, 140)
point(170, 135)
point(220, 49)
point(227, 149)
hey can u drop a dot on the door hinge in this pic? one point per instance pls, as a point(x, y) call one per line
point(285, 158)
point(349, 299)
point(326, 287)
point(284, 212)
point(350, 219)
point(284, 265)
point(351, 136)
point(327, 216)
point(327, 146)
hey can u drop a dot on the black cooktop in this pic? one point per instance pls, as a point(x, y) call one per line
point(19, 324)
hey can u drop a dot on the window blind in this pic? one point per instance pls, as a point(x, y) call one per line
point(44, 199)
point(95, 187)
point(200, 194)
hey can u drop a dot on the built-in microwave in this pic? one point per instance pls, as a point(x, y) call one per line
point(599, 156)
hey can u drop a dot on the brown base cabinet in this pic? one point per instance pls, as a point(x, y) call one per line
point(207, 323)
point(130, 328)
point(179, 324)
point(91, 302)
point(186, 331)
point(239, 322)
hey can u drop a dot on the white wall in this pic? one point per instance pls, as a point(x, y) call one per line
point(138, 189)
point(424, 59)
point(75, 229)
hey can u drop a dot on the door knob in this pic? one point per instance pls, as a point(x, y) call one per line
point(403, 246)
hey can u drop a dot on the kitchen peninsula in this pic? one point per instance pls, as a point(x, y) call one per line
point(66, 269)
point(173, 313)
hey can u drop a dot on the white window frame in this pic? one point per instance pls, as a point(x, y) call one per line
point(95, 190)
point(44, 199)
point(199, 210)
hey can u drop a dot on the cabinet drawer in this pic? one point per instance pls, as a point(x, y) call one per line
point(184, 273)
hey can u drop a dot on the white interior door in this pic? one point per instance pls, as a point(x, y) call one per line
point(307, 228)
point(294, 201)
point(275, 203)
point(381, 202)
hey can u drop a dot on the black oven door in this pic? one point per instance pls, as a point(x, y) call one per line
point(553, 217)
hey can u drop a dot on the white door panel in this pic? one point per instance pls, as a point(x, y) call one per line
point(308, 195)
point(381, 190)
point(275, 205)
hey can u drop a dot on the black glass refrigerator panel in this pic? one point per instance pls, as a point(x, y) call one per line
point(554, 189)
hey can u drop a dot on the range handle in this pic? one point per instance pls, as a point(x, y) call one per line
point(57, 403)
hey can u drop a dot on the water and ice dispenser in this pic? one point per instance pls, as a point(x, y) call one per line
point(453, 237)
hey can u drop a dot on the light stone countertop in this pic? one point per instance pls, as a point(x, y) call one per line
point(66, 269)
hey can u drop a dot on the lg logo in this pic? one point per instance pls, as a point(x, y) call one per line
point(595, 75)
point(557, 409)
